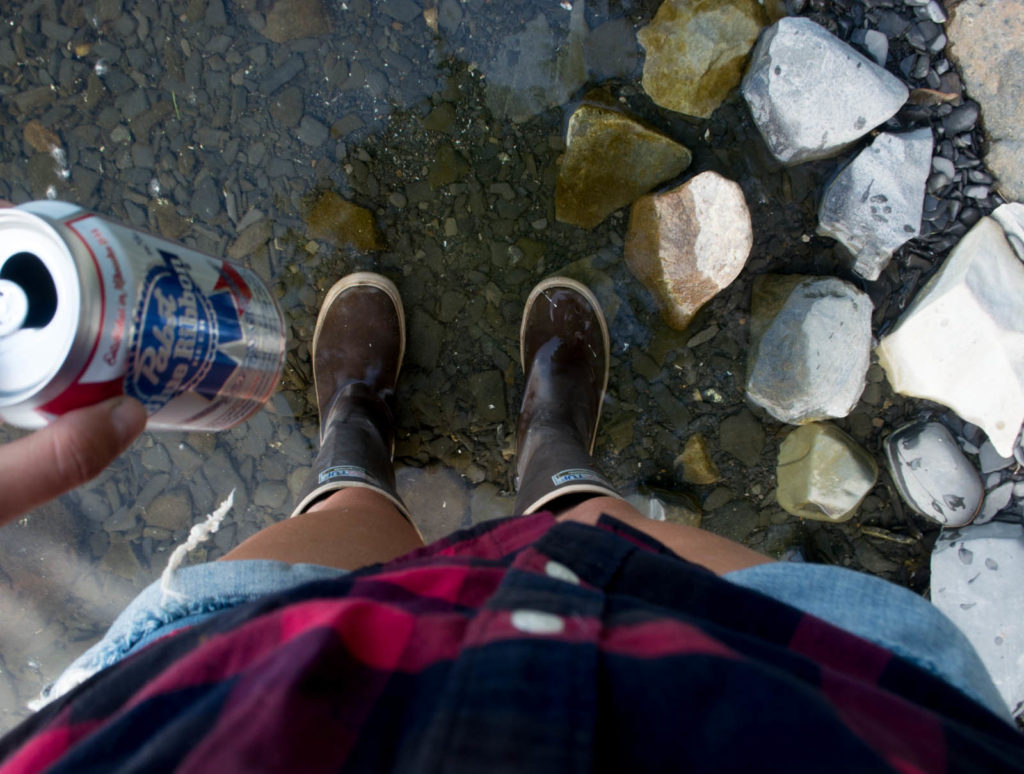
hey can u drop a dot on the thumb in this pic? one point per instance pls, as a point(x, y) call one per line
point(63, 455)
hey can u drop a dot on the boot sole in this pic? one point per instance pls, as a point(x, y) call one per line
point(583, 290)
point(360, 279)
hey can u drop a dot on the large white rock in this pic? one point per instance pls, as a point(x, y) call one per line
point(961, 343)
point(812, 95)
point(1011, 218)
point(810, 347)
point(687, 244)
point(978, 582)
point(874, 205)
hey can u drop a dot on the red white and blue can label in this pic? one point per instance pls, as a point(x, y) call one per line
point(206, 345)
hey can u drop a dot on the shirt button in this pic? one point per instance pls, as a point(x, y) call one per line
point(538, 622)
point(560, 571)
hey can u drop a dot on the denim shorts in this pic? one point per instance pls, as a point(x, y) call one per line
point(876, 610)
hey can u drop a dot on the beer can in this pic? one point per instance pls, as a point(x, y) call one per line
point(91, 309)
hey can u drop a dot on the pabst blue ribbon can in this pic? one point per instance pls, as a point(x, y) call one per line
point(90, 309)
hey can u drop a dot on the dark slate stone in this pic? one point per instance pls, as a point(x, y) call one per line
point(961, 119)
point(280, 76)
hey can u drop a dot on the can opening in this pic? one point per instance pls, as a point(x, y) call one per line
point(28, 271)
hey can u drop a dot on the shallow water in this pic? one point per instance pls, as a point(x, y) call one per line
point(183, 119)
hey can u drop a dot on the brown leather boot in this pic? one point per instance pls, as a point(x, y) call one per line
point(564, 347)
point(357, 352)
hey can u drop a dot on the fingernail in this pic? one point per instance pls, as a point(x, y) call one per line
point(129, 419)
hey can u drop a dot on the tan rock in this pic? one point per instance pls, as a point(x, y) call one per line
point(41, 138)
point(687, 244)
point(987, 42)
point(696, 52)
point(342, 223)
point(822, 473)
point(696, 463)
point(610, 160)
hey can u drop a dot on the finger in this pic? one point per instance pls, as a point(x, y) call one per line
point(66, 454)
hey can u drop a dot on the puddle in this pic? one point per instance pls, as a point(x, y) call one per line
point(185, 120)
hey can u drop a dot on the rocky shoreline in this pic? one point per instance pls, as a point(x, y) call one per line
point(245, 129)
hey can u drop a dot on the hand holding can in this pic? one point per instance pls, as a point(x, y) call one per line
point(95, 310)
point(67, 453)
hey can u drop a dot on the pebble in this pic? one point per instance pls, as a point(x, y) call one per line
point(282, 75)
point(311, 131)
point(995, 501)
point(961, 119)
point(990, 460)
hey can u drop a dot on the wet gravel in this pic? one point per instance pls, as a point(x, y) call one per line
point(193, 121)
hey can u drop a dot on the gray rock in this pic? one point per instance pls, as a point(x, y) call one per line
point(270, 494)
point(812, 95)
point(932, 475)
point(874, 42)
point(977, 579)
point(534, 70)
point(611, 51)
point(961, 343)
point(440, 495)
point(401, 10)
point(810, 347)
point(206, 199)
point(987, 42)
point(995, 502)
point(874, 204)
point(961, 119)
point(280, 76)
point(990, 460)
point(312, 132)
point(171, 511)
point(286, 107)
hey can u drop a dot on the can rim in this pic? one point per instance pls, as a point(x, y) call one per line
point(31, 360)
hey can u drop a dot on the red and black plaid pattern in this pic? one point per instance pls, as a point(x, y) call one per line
point(524, 645)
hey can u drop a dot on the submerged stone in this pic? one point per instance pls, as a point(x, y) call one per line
point(294, 19)
point(932, 475)
point(810, 347)
point(811, 95)
point(610, 159)
point(660, 504)
point(695, 465)
point(874, 204)
point(342, 223)
point(687, 244)
point(822, 473)
point(696, 51)
point(961, 342)
point(534, 70)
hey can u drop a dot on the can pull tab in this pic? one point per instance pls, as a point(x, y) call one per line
point(13, 307)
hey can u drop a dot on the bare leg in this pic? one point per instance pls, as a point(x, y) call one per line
point(718, 554)
point(349, 529)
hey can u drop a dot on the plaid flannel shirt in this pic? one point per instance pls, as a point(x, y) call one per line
point(522, 645)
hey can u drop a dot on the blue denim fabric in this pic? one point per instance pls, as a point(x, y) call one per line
point(888, 615)
point(199, 592)
point(883, 613)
